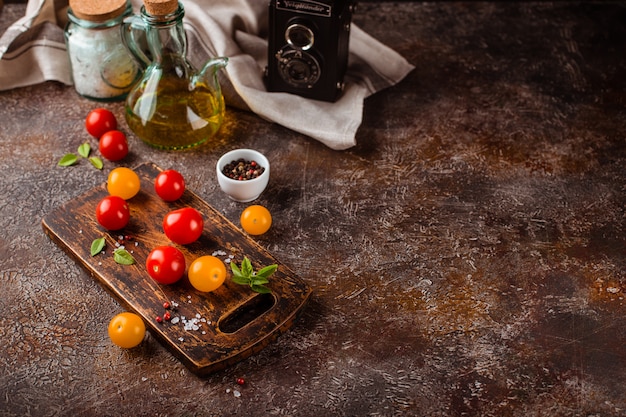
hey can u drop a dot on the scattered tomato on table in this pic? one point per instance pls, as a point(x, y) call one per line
point(256, 220)
point(166, 264)
point(113, 145)
point(207, 273)
point(113, 213)
point(183, 226)
point(127, 330)
point(169, 185)
point(99, 121)
point(123, 182)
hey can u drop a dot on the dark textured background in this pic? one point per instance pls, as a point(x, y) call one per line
point(467, 256)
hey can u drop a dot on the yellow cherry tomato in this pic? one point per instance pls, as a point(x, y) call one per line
point(256, 220)
point(207, 273)
point(127, 330)
point(123, 182)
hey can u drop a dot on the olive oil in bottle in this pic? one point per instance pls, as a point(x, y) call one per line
point(174, 117)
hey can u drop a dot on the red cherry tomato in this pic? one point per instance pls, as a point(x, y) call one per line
point(113, 213)
point(113, 145)
point(100, 121)
point(166, 264)
point(183, 226)
point(169, 185)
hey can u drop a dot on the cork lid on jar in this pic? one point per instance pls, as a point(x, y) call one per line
point(97, 10)
point(160, 7)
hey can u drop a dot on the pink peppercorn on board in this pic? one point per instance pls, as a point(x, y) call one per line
point(206, 331)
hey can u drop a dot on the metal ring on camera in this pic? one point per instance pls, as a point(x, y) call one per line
point(300, 37)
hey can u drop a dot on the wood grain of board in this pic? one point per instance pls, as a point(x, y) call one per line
point(233, 321)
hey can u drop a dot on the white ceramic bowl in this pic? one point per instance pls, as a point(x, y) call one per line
point(243, 190)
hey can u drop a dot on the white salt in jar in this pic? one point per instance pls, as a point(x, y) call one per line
point(102, 68)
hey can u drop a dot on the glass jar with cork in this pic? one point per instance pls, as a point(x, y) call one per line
point(102, 68)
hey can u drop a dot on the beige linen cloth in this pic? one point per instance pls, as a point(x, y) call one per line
point(33, 50)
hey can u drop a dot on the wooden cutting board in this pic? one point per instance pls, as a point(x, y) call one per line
point(208, 331)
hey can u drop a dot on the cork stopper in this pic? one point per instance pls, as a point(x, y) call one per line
point(160, 7)
point(97, 10)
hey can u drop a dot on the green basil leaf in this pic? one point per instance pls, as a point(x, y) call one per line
point(97, 246)
point(235, 269)
point(68, 159)
point(247, 276)
point(84, 150)
point(96, 162)
point(246, 267)
point(267, 271)
point(123, 257)
point(261, 289)
point(258, 281)
point(240, 280)
point(239, 276)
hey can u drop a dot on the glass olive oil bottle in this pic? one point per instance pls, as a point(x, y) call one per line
point(173, 106)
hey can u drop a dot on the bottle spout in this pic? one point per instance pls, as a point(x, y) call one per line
point(213, 65)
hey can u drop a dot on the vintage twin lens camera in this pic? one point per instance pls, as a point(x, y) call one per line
point(308, 47)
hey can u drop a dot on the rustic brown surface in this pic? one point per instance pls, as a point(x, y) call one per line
point(215, 345)
point(467, 257)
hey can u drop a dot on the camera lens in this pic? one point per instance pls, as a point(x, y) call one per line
point(299, 36)
point(298, 71)
point(297, 68)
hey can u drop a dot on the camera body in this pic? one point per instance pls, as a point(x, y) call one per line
point(308, 47)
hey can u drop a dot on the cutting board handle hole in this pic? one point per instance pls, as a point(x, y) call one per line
point(246, 313)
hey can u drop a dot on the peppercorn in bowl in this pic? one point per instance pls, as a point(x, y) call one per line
point(243, 174)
